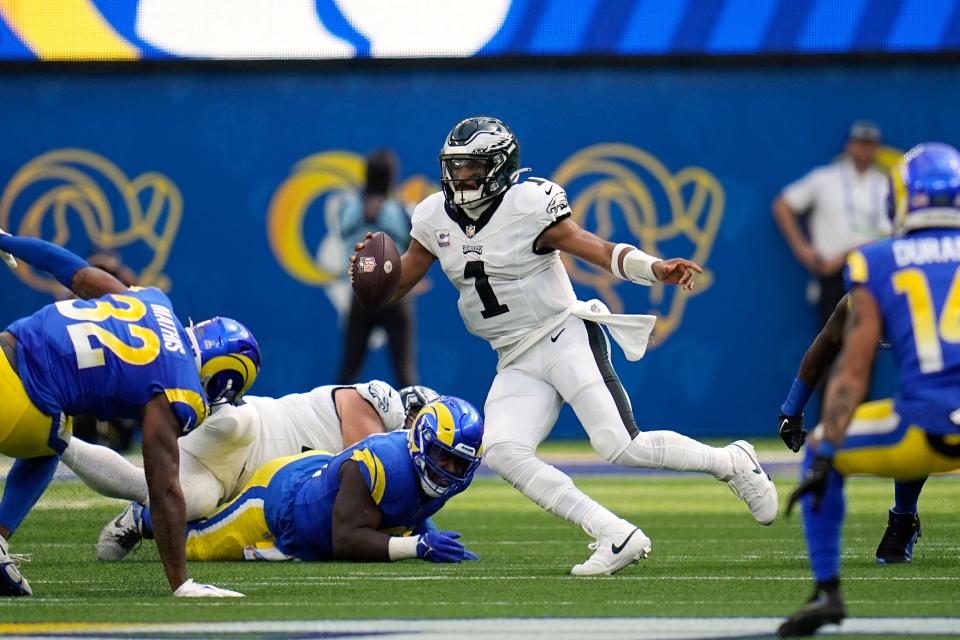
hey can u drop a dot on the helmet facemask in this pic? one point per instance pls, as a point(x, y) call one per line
point(445, 446)
point(469, 181)
point(478, 161)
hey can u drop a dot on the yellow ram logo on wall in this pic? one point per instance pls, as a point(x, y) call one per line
point(114, 211)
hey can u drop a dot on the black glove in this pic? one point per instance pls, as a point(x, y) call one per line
point(791, 431)
point(814, 481)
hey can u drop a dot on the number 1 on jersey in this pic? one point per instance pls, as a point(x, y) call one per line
point(491, 306)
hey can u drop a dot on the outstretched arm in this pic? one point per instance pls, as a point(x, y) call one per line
point(355, 520)
point(161, 462)
point(69, 269)
point(630, 263)
point(826, 346)
point(848, 385)
point(845, 391)
point(817, 361)
point(358, 419)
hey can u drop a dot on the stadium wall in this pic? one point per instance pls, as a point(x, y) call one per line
point(217, 185)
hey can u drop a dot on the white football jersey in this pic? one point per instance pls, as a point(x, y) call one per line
point(294, 423)
point(237, 440)
point(507, 288)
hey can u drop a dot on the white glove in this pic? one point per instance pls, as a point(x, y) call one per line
point(9, 259)
point(191, 589)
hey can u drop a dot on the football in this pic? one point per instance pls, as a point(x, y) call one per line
point(376, 273)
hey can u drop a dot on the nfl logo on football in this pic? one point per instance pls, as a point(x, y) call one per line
point(367, 264)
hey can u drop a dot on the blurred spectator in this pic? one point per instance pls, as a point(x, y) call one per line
point(847, 206)
point(376, 210)
point(116, 434)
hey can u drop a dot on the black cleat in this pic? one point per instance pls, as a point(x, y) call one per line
point(825, 606)
point(896, 546)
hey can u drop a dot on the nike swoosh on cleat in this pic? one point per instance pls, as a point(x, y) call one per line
point(554, 338)
point(756, 465)
point(617, 549)
point(550, 189)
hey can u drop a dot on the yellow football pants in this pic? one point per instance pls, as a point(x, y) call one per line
point(239, 523)
point(26, 432)
point(880, 443)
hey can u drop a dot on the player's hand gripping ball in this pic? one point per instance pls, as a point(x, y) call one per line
point(375, 270)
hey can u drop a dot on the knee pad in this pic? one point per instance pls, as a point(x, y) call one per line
point(508, 459)
point(609, 444)
point(202, 491)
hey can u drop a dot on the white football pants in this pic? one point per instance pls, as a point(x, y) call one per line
point(573, 365)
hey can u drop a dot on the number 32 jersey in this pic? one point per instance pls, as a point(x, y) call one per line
point(508, 287)
point(108, 357)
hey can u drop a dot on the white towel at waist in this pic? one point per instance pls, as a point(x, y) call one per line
point(631, 332)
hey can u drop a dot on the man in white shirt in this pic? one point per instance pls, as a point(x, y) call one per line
point(846, 201)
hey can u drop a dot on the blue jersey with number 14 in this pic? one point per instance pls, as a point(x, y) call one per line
point(109, 357)
point(916, 283)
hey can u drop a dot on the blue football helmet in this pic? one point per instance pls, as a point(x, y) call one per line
point(228, 358)
point(925, 188)
point(445, 444)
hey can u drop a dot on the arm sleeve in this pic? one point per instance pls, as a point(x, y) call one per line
point(55, 260)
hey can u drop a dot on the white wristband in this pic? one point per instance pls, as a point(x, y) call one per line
point(402, 547)
point(637, 265)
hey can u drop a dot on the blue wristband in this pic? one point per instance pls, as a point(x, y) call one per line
point(797, 398)
point(54, 259)
point(826, 449)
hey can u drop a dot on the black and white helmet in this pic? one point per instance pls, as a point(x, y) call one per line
point(414, 398)
point(484, 143)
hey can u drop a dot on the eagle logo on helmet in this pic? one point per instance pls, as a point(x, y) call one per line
point(479, 161)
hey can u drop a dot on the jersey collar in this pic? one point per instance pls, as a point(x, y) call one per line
point(456, 214)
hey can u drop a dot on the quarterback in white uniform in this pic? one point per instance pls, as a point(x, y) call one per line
point(498, 241)
point(218, 458)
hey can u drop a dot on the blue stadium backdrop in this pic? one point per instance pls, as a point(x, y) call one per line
point(217, 186)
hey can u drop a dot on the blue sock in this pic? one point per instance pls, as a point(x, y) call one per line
point(906, 495)
point(822, 528)
point(146, 524)
point(27, 481)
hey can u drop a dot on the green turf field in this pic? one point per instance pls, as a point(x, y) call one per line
point(709, 559)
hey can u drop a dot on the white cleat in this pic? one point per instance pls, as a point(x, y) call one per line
point(614, 551)
point(751, 483)
point(121, 535)
point(12, 582)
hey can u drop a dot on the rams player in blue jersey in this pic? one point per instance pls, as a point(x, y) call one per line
point(369, 503)
point(907, 287)
point(118, 352)
point(903, 520)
